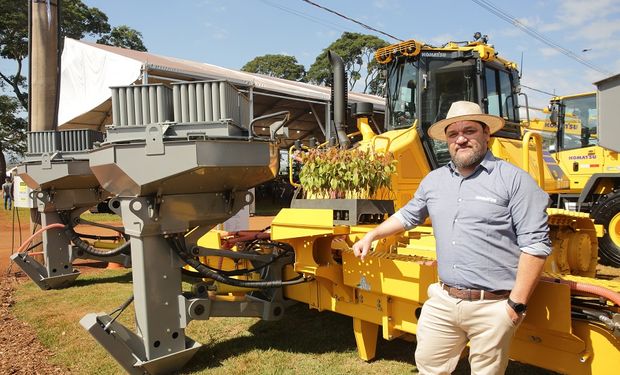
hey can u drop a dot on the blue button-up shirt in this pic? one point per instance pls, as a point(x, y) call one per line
point(481, 222)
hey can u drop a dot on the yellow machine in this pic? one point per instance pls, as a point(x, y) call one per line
point(573, 321)
point(593, 172)
point(573, 325)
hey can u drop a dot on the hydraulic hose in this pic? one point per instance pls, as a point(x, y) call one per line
point(24, 244)
point(610, 295)
point(287, 249)
point(211, 274)
point(245, 236)
point(79, 220)
point(87, 248)
point(96, 237)
point(603, 318)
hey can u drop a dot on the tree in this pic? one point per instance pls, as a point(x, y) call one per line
point(12, 130)
point(280, 66)
point(123, 36)
point(357, 52)
point(77, 21)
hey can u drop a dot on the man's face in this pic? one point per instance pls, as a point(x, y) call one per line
point(467, 143)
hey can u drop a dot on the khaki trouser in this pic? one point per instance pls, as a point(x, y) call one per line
point(445, 326)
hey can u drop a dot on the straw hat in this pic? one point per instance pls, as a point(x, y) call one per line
point(463, 111)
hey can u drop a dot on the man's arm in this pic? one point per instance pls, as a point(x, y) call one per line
point(528, 273)
point(389, 227)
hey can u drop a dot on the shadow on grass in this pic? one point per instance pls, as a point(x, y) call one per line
point(85, 280)
point(301, 330)
point(306, 331)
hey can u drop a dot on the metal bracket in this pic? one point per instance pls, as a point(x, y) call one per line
point(154, 140)
point(39, 275)
point(46, 161)
point(127, 348)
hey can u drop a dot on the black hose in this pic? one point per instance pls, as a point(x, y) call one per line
point(33, 246)
point(246, 271)
point(87, 248)
point(208, 273)
point(97, 237)
point(189, 273)
point(79, 220)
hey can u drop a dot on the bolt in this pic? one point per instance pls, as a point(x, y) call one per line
point(199, 310)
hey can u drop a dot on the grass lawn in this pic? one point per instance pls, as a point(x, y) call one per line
point(22, 216)
point(303, 342)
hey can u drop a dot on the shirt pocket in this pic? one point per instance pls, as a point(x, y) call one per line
point(485, 210)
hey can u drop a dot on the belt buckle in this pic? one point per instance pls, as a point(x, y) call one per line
point(481, 294)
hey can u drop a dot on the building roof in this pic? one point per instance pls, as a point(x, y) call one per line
point(90, 69)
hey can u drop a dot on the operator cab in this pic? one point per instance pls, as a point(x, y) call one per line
point(576, 120)
point(423, 86)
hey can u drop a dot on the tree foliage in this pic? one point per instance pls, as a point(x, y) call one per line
point(78, 21)
point(12, 130)
point(357, 52)
point(123, 36)
point(280, 66)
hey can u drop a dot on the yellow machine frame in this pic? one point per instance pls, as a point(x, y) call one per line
point(385, 292)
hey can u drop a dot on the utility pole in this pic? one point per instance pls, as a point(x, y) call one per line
point(44, 64)
point(43, 80)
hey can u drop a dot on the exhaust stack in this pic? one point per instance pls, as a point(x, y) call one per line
point(339, 98)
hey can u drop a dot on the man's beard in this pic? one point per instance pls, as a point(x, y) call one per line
point(472, 159)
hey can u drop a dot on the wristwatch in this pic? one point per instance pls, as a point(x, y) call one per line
point(518, 307)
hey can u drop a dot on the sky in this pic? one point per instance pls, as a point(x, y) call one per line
point(229, 33)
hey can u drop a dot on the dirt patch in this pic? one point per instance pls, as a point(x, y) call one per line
point(20, 350)
point(12, 233)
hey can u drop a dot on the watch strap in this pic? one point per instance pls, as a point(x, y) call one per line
point(518, 307)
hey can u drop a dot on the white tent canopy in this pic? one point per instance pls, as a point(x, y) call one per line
point(88, 71)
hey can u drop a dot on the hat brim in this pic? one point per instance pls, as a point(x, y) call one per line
point(438, 129)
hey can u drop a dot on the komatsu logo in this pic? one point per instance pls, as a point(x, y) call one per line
point(582, 157)
point(435, 54)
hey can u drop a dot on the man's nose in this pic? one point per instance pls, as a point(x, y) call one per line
point(461, 139)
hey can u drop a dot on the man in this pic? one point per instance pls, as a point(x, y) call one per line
point(490, 224)
point(7, 193)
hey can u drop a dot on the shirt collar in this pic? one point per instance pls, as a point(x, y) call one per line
point(488, 163)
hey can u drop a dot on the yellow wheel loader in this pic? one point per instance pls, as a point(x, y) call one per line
point(571, 136)
point(574, 324)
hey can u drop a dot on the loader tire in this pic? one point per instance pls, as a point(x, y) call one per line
point(606, 211)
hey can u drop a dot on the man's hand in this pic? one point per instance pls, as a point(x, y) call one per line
point(516, 318)
point(362, 247)
point(389, 227)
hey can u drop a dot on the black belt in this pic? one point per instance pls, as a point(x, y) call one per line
point(474, 294)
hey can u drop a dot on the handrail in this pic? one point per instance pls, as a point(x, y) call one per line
point(527, 137)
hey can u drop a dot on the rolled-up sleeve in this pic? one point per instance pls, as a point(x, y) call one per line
point(415, 211)
point(528, 208)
